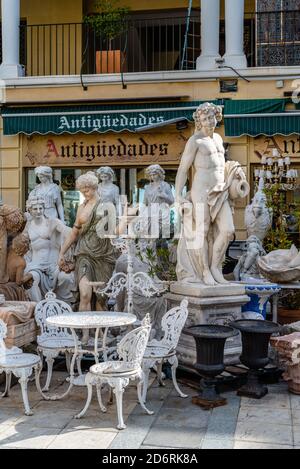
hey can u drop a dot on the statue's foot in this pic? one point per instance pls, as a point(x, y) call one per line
point(192, 280)
point(218, 276)
point(208, 278)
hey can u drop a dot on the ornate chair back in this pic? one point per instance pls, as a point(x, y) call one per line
point(47, 308)
point(132, 347)
point(172, 324)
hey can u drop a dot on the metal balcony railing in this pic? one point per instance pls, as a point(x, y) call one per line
point(155, 44)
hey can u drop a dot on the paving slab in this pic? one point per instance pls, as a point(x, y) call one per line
point(42, 418)
point(176, 437)
point(254, 431)
point(82, 439)
point(253, 445)
point(26, 436)
point(296, 431)
point(217, 444)
point(276, 416)
point(194, 417)
point(273, 400)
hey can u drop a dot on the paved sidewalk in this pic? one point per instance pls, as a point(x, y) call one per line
point(272, 422)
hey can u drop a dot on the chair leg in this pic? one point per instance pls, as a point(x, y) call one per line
point(7, 385)
point(118, 388)
point(78, 365)
point(110, 395)
point(49, 361)
point(68, 361)
point(99, 397)
point(159, 373)
point(140, 387)
point(146, 371)
point(89, 397)
point(23, 382)
point(174, 364)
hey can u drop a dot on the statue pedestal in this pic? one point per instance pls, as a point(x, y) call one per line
point(220, 305)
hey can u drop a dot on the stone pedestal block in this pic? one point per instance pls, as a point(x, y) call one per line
point(208, 305)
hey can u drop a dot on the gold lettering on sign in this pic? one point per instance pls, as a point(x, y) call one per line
point(287, 146)
point(111, 149)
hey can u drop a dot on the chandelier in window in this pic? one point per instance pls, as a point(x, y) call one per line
point(277, 171)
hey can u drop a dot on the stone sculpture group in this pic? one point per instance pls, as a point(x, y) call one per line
point(47, 255)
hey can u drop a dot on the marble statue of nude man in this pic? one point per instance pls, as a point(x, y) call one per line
point(215, 183)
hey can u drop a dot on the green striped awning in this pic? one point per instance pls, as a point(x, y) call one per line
point(93, 118)
point(260, 117)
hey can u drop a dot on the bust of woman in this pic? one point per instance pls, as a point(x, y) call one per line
point(107, 190)
point(50, 192)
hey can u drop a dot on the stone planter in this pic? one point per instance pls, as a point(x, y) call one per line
point(255, 346)
point(210, 343)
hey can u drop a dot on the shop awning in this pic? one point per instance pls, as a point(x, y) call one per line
point(260, 117)
point(92, 118)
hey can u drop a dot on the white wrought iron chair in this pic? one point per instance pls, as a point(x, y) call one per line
point(117, 374)
point(14, 361)
point(159, 351)
point(53, 340)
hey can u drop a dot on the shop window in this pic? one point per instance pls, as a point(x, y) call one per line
point(131, 182)
point(285, 204)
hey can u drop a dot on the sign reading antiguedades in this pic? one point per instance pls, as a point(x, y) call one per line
point(107, 122)
point(95, 150)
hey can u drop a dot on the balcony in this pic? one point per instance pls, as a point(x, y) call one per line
point(155, 44)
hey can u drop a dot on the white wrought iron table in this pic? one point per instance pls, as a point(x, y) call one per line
point(97, 320)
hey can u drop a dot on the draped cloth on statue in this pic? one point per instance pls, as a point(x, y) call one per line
point(189, 265)
point(220, 193)
point(95, 256)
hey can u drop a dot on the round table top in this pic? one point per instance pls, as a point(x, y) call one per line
point(92, 319)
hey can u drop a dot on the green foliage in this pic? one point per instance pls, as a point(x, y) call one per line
point(291, 301)
point(278, 236)
point(110, 21)
point(160, 264)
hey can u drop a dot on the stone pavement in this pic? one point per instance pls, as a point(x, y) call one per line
point(272, 422)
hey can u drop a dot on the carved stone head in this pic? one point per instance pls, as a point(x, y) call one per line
point(44, 173)
point(207, 115)
point(155, 171)
point(106, 173)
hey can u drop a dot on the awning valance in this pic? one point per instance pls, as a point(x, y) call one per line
point(260, 117)
point(92, 118)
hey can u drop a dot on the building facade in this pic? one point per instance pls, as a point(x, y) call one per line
point(75, 101)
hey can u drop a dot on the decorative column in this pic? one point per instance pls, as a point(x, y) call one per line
point(10, 67)
point(234, 34)
point(210, 35)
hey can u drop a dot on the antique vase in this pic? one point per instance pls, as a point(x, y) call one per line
point(210, 342)
point(255, 346)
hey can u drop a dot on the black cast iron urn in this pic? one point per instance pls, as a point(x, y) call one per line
point(255, 342)
point(210, 343)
